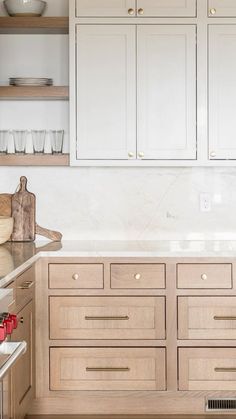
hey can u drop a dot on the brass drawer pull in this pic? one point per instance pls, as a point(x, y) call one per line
point(224, 317)
point(106, 317)
point(22, 320)
point(225, 369)
point(26, 285)
point(137, 277)
point(107, 369)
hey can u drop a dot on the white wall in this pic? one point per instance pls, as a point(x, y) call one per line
point(131, 203)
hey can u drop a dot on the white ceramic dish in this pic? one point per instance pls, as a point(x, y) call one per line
point(25, 7)
point(6, 228)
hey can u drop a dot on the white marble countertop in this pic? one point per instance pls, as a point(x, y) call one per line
point(16, 257)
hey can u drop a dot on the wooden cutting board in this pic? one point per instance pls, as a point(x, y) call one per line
point(5, 204)
point(23, 212)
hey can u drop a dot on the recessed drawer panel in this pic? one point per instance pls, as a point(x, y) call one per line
point(137, 276)
point(107, 369)
point(76, 275)
point(107, 318)
point(201, 275)
point(25, 287)
point(207, 369)
point(207, 317)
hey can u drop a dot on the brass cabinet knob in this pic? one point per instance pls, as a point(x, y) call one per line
point(22, 320)
point(130, 154)
point(75, 277)
point(131, 12)
point(141, 12)
point(137, 276)
point(213, 154)
point(204, 277)
point(141, 154)
point(212, 11)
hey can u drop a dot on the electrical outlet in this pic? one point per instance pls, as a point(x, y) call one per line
point(205, 202)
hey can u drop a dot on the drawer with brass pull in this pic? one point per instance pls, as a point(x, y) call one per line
point(207, 369)
point(25, 287)
point(76, 275)
point(207, 317)
point(204, 275)
point(107, 317)
point(107, 369)
point(138, 276)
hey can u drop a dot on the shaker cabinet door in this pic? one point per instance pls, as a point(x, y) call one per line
point(167, 8)
point(166, 92)
point(221, 8)
point(222, 92)
point(108, 8)
point(106, 92)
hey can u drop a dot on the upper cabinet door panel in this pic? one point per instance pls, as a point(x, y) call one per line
point(167, 92)
point(222, 8)
point(222, 92)
point(105, 8)
point(167, 8)
point(106, 92)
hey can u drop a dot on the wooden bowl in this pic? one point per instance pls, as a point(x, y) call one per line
point(6, 228)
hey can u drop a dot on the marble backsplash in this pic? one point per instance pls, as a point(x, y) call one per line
point(131, 203)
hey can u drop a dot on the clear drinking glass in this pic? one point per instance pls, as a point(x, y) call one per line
point(57, 137)
point(38, 138)
point(4, 136)
point(20, 137)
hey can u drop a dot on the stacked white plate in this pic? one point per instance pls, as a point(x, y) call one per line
point(30, 81)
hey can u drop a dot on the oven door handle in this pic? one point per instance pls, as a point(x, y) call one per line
point(16, 354)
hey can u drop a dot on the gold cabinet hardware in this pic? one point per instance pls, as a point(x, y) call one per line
point(224, 317)
point(75, 277)
point(212, 11)
point(230, 369)
point(137, 276)
point(106, 317)
point(130, 154)
point(107, 369)
point(213, 154)
point(131, 12)
point(141, 154)
point(204, 277)
point(141, 12)
point(26, 285)
point(22, 320)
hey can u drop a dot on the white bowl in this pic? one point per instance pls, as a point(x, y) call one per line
point(25, 7)
point(6, 228)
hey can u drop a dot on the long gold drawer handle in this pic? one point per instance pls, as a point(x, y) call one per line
point(26, 285)
point(224, 317)
point(106, 317)
point(225, 369)
point(107, 369)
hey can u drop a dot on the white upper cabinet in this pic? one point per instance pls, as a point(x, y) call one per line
point(105, 8)
point(222, 92)
point(166, 8)
point(166, 92)
point(106, 92)
point(222, 8)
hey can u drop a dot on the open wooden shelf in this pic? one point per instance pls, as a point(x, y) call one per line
point(34, 160)
point(39, 92)
point(29, 24)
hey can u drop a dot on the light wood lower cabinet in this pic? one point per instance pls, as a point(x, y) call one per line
point(107, 369)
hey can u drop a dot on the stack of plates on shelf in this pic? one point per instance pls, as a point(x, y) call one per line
point(30, 81)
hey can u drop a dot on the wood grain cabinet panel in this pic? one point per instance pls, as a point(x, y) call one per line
point(107, 318)
point(204, 275)
point(76, 275)
point(137, 276)
point(107, 369)
point(219, 8)
point(207, 317)
point(167, 8)
point(207, 369)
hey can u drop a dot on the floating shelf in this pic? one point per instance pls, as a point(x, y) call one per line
point(34, 160)
point(29, 24)
point(30, 93)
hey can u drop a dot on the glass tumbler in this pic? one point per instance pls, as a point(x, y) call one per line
point(38, 138)
point(57, 137)
point(20, 141)
point(4, 135)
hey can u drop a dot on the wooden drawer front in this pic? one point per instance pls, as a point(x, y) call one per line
point(201, 275)
point(207, 317)
point(25, 287)
point(107, 318)
point(76, 275)
point(107, 369)
point(207, 369)
point(137, 276)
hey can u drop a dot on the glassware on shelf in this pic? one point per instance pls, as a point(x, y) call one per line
point(20, 137)
point(57, 137)
point(38, 139)
point(4, 136)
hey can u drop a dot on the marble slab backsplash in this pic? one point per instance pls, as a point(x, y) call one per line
point(131, 203)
